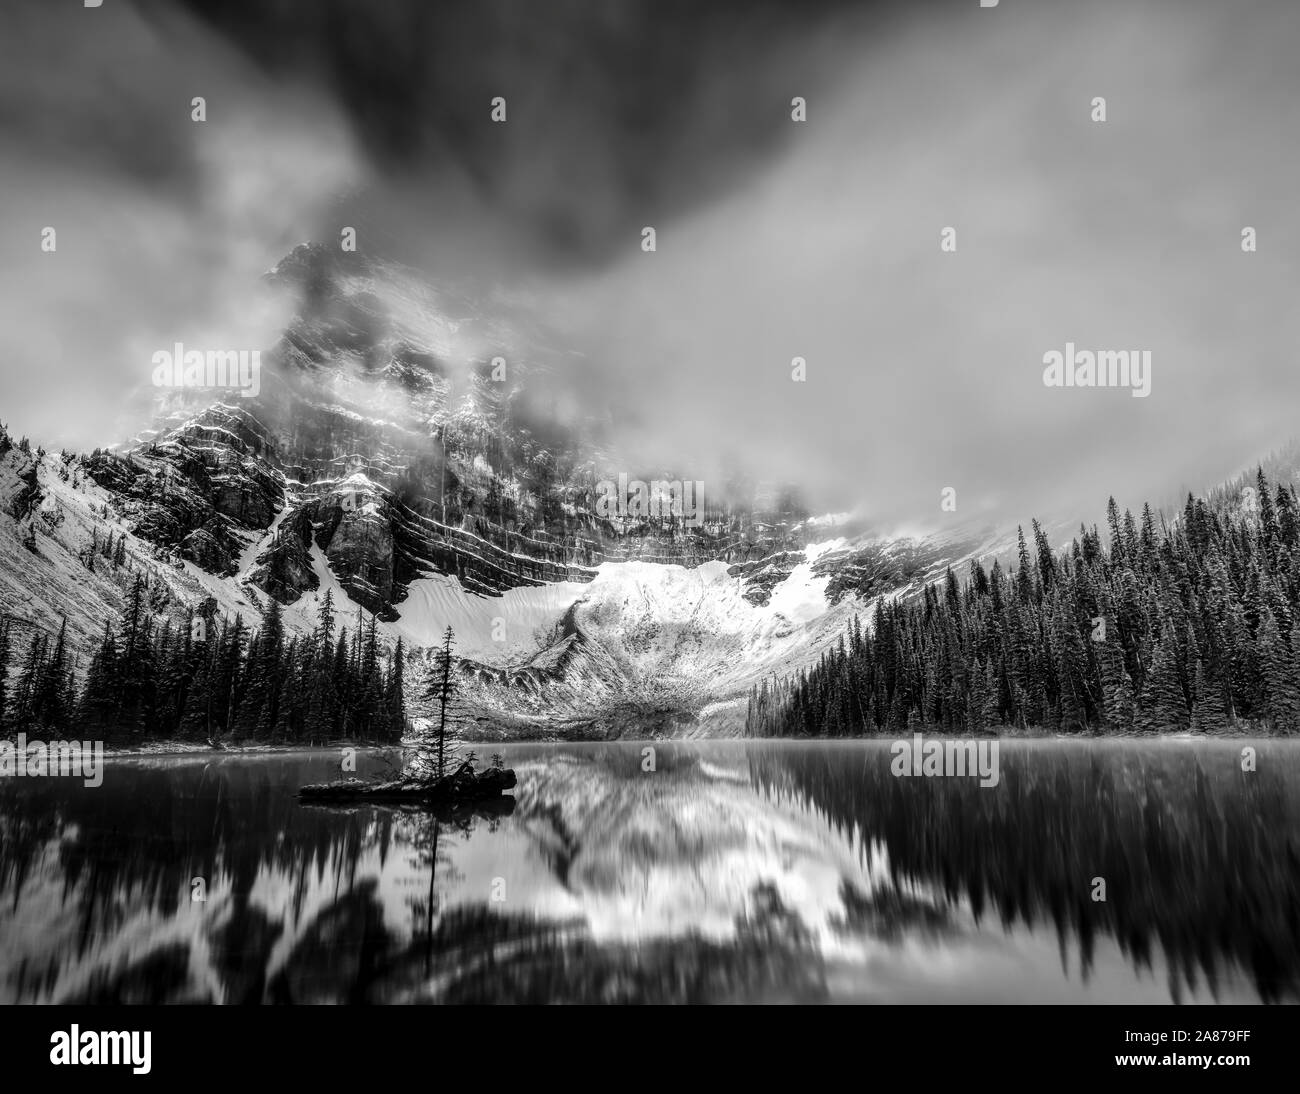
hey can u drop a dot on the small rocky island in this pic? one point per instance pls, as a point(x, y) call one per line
point(462, 786)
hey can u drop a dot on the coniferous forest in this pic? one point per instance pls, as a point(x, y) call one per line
point(1159, 626)
point(209, 679)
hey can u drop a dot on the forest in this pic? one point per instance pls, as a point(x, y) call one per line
point(1163, 625)
point(208, 681)
point(1166, 626)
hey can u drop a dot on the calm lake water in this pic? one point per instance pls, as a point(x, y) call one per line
point(734, 871)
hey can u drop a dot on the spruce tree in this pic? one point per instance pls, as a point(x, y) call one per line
point(1209, 715)
point(29, 679)
point(395, 697)
point(444, 693)
point(50, 703)
point(1281, 678)
point(1162, 706)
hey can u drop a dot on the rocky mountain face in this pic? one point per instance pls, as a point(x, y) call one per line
point(403, 450)
point(367, 440)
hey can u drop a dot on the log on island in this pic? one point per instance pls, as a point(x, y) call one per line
point(462, 785)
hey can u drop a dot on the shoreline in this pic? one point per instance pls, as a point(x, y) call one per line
point(190, 748)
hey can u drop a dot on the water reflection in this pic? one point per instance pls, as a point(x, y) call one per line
point(734, 871)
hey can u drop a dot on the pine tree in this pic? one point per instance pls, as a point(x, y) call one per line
point(321, 709)
point(1117, 557)
point(249, 709)
point(99, 698)
point(344, 686)
point(369, 704)
point(52, 690)
point(1162, 706)
point(200, 716)
point(982, 707)
point(1024, 583)
point(258, 711)
point(1068, 662)
point(26, 690)
point(444, 692)
point(1281, 679)
point(228, 675)
point(291, 705)
point(394, 695)
point(135, 668)
point(1117, 690)
point(1208, 711)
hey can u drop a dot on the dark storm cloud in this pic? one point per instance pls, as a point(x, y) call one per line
point(775, 240)
point(620, 112)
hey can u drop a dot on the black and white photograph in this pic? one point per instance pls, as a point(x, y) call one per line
point(640, 502)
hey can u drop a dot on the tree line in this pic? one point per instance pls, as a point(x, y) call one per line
point(1192, 624)
point(207, 680)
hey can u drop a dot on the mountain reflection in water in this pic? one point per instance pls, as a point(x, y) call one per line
point(735, 871)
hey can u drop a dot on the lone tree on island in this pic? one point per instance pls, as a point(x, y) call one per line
point(444, 690)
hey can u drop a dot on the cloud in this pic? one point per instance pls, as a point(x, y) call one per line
point(924, 369)
point(163, 224)
point(776, 240)
point(615, 110)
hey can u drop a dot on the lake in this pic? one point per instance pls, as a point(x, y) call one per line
point(733, 871)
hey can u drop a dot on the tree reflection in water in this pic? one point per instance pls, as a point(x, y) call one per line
point(368, 904)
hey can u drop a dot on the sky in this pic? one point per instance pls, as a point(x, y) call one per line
point(776, 239)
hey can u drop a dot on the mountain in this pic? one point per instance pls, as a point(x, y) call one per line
point(404, 450)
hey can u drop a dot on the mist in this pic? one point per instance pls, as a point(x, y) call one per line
point(163, 226)
point(776, 239)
